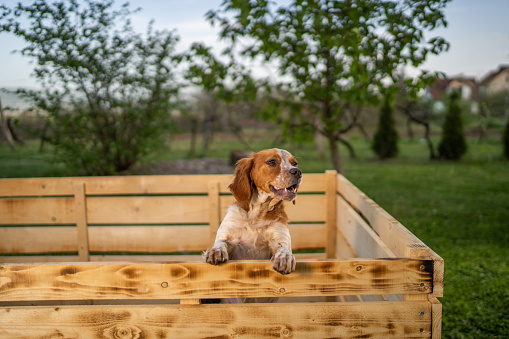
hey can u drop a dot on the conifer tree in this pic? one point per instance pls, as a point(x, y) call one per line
point(506, 139)
point(453, 144)
point(385, 143)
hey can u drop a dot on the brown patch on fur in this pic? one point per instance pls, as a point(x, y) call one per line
point(241, 185)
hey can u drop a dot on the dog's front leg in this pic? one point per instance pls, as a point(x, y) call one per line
point(218, 253)
point(281, 247)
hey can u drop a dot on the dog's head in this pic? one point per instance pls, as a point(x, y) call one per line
point(273, 171)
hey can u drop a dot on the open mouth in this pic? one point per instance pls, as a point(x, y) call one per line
point(287, 193)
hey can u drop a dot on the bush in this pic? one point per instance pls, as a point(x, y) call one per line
point(505, 140)
point(385, 143)
point(453, 145)
point(107, 91)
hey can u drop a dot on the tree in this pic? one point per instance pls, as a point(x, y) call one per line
point(224, 81)
point(506, 139)
point(385, 142)
point(336, 55)
point(107, 90)
point(4, 128)
point(452, 146)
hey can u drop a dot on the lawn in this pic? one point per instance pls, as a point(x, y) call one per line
point(460, 209)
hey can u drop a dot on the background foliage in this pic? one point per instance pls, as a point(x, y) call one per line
point(106, 90)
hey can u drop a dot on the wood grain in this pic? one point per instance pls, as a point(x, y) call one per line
point(147, 210)
point(436, 318)
point(364, 241)
point(133, 239)
point(128, 185)
point(214, 212)
point(308, 208)
point(331, 213)
point(392, 232)
point(199, 280)
point(48, 211)
point(132, 258)
point(298, 320)
point(80, 207)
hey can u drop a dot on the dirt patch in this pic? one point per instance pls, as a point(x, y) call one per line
point(187, 166)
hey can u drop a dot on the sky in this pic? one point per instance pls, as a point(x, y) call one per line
point(478, 31)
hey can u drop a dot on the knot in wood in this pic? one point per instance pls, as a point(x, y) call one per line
point(285, 332)
point(164, 284)
point(282, 290)
point(126, 332)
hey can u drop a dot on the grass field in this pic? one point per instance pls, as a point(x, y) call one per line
point(460, 209)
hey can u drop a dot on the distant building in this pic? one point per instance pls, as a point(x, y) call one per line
point(442, 87)
point(496, 81)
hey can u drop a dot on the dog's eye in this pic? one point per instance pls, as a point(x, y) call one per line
point(271, 162)
point(295, 163)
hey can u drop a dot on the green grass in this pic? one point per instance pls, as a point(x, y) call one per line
point(459, 209)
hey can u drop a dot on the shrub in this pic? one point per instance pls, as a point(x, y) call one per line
point(106, 91)
point(506, 139)
point(385, 143)
point(453, 145)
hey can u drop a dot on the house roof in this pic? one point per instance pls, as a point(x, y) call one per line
point(440, 86)
point(493, 74)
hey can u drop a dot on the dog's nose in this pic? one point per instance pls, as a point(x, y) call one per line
point(296, 172)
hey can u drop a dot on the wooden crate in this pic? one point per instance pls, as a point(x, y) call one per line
point(119, 257)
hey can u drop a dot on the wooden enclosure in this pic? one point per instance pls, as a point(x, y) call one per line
point(119, 257)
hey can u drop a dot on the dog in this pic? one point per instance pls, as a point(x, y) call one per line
point(256, 225)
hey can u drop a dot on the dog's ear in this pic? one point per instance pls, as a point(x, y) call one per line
point(241, 185)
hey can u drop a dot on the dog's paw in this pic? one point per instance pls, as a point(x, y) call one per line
point(216, 255)
point(284, 261)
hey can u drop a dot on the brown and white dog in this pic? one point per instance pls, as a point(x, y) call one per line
point(256, 226)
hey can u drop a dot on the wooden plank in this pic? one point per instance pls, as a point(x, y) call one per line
point(147, 239)
point(436, 318)
point(392, 232)
point(214, 213)
point(320, 320)
point(80, 207)
point(123, 185)
point(147, 210)
point(135, 239)
point(331, 213)
point(236, 279)
point(36, 187)
point(49, 211)
point(307, 236)
point(17, 240)
point(343, 248)
point(359, 235)
point(136, 258)
point(395, 235)
point(296, 320)
point(308, 208)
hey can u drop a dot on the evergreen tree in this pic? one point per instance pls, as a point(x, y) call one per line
point(453, 144)
point(506, 139)
point(385, 143)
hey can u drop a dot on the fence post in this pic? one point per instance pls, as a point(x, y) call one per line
point(331, 213)
point(214, 215)
point(80, 210)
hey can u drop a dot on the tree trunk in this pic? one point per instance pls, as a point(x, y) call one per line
point(6, 132)
point(206, 134)
point(349, 146)
point(408, 111)
point(336, 158)
point(194, 135)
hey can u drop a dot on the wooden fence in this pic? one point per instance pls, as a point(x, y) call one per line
point(119, 257)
